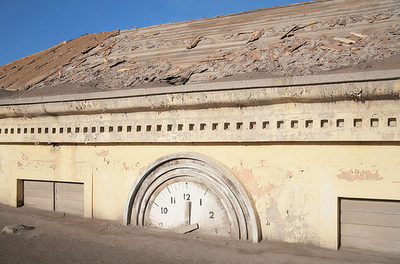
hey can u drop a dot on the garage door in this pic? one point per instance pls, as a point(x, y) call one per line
point(370, 225)
point(54, 196)
point(69, 198)
point(39, 195)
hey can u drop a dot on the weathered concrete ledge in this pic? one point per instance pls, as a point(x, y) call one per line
point(377, 85)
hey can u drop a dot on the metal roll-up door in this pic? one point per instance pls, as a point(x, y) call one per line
point(69, 198)
point(370, 225)
point(38, 194)
point(62, 197)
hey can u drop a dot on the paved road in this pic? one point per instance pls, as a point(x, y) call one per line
point(59, 239)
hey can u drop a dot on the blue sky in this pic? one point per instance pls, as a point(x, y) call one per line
point(28, 26)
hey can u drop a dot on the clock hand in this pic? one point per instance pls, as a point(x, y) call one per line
point(186, 229)
point(188, 210)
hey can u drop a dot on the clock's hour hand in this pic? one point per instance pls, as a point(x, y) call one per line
point(188, 210)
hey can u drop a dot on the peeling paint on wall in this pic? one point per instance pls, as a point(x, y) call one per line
point(293, 188)
point(24, 156)
point(126, 167)
point(134, 167)
point(289, 174)
point(20, 165)
point(104, 154)
point(358, 175)
point(252, 182)
point(274, 219)
point(24, 163)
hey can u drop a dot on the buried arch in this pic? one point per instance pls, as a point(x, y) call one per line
point(242, 216)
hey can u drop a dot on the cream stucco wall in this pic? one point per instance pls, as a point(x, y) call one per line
point(295, 187)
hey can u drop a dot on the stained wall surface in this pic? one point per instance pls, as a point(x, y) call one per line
point(297, 145)
point(295, 188)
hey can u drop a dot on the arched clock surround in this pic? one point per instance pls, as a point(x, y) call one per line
point(243, 218)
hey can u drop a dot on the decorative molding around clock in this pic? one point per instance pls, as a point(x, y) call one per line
point(201, 170)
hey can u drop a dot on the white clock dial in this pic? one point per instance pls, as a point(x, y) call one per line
point(184, 202)
point(190, 192)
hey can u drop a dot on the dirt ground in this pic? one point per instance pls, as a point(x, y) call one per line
point(69, 239)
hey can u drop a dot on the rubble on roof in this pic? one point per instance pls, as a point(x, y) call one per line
point(43, 67)
point(299, 45)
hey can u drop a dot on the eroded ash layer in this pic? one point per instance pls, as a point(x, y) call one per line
point(125, 59)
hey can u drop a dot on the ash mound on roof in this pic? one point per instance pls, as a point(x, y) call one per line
point(295, 40)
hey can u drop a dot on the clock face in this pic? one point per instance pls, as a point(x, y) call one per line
point(190, 192)
point(188, 202)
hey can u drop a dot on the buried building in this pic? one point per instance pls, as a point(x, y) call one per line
point(278, 124)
